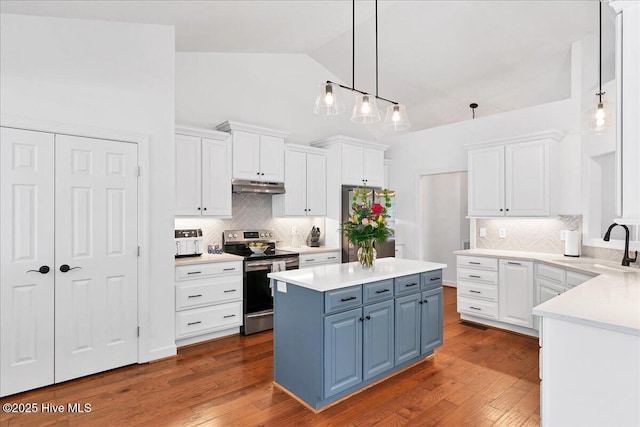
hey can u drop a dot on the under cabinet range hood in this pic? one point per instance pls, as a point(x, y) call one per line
point(264, 187)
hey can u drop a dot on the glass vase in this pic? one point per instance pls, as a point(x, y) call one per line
point(367, 254)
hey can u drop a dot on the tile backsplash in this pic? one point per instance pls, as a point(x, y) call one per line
point(536, 235)
point(252, 211)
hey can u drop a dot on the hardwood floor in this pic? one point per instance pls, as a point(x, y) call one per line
point(477, 378)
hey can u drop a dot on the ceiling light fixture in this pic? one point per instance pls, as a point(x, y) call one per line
point(599, 115)
point(365, 110)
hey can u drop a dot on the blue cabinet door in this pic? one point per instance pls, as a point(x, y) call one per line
point(342, 351)
point(407, 328)
point(377, 341)
point(431, 320)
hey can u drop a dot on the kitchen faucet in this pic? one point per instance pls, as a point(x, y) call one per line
point(625, 257)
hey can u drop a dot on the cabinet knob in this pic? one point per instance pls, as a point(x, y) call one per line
point(420, 302)
point(368, 317)
point(198, 207)
point(501, 209)
point(362, 319)
point(507, 210)
point(205, 209)
point(263, 175)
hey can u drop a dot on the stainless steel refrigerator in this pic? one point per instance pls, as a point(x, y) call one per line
point(384, 250)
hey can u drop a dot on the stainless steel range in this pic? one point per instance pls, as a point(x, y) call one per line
point(258, 299)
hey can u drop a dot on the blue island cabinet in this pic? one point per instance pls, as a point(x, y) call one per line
point(330, 344)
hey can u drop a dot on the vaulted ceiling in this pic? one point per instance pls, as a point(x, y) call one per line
point(434, 56)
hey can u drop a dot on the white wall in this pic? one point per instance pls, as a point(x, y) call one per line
point(114, 76)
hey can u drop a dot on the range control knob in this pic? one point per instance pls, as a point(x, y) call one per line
point(261, 234)
point(268, 234)
point(235, 235)
point(230, 235)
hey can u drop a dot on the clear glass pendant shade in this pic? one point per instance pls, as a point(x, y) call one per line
point(329, 100)
point(396, 118)
point(599, 118)
point(365, 110)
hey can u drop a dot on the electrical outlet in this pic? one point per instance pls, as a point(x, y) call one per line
point(502, 232)
point(563, 235)
point(483, 232)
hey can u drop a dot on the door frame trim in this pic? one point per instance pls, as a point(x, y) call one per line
point(142, 141)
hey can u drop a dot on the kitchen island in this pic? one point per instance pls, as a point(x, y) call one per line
point(339, 328)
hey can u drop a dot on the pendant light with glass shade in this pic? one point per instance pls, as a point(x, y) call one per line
point(599, 116)
point(365, 110)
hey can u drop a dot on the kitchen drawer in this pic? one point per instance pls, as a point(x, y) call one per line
point(478, 290)
point(198, 271)
point(322, 258)
point(208, 291)
point(478, 307)
point(377, 291)
point(341, 299)
point(574, 279)
point(407, 284)
point(553, 274)
point(481, 276)
point(208, 319)
point(431, 279)
point(482, 263)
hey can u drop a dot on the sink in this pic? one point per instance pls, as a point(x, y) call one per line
point(595, 265)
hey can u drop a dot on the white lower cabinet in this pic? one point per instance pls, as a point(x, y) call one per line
point(319, 258)
point(516, 292)
point(208, 301)
point(478, 286)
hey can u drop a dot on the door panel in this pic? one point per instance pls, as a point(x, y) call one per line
point(316, 180)
point(188, 176)
point(96, 223)
point(271, 158)
point(377, 351)
point(246, 155)
point(295, 178)
point(486, 181)
point(216, 177)
point(343, 351)
point(527, 179)
point(516, 292)
point(431, 320)
point(407, 328)
point(26, 225)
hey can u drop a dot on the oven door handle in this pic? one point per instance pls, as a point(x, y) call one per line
point(266, 265)
point(249, 316)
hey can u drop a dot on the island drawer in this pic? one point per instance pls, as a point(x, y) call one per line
point(197, 271)
point(341, 299)
point(407, 284)
point(378, 291)
point(431, 279)
point(478, 262)
point(208, 319)
point(206, 292)
point(553, 274)
point(477, 307)
point(478, 290)
point(489, 277)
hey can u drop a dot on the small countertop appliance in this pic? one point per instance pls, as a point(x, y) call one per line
point(314, 238)
point(188, 242)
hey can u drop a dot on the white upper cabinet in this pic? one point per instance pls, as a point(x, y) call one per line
point(258, 153)
point(387, 172)
point(203, 172)
point(514, 178)
point(362, 166)
point(305, 183)
point(373, 167)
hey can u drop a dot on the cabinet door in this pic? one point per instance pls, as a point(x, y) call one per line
point(27, 228)
point(527, 179)
point(188, 175)
point(407, 328)
point(271, 158)
point(216, 177)
point(373, 167)
point(547, 292)
point(246, 155)
point(378, 349)
point(342, 351)
point(431, 320)
point(352, 165)
point(486, 181)
point(516, 292)
point(316, 184)
point(295, 177)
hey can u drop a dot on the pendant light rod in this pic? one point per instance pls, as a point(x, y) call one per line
point(362, 92)
point(376, 48)
point(353, 44)
point(600, 52)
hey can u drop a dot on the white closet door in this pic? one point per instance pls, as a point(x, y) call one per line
point(26, 226)
point(96, 236)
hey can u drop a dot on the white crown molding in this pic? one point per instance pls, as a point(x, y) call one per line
point(230, 126)
point(554, 134)
point(304, 148)
point(341, 139)
point(619, 5)
point(202, 133)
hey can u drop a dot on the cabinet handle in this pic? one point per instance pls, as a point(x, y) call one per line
point(513, 263)
point(229, 290)
point(474, 263)
point(434, 278)
point(229, 269)
point(475, 308)
point(311, 259)
point(194, 323)
point(410, 285)
point(368, 317)
point(228, 316)
point(194, 272)
point(331, 257)
point(474, 292)
point(347, 299)
point(382, 291)
point(195, 296)
point(475, 277)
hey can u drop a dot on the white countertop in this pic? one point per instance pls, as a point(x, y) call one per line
point(207, 258)
point(335, 276)
point(309, 250)
point(611, 300)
